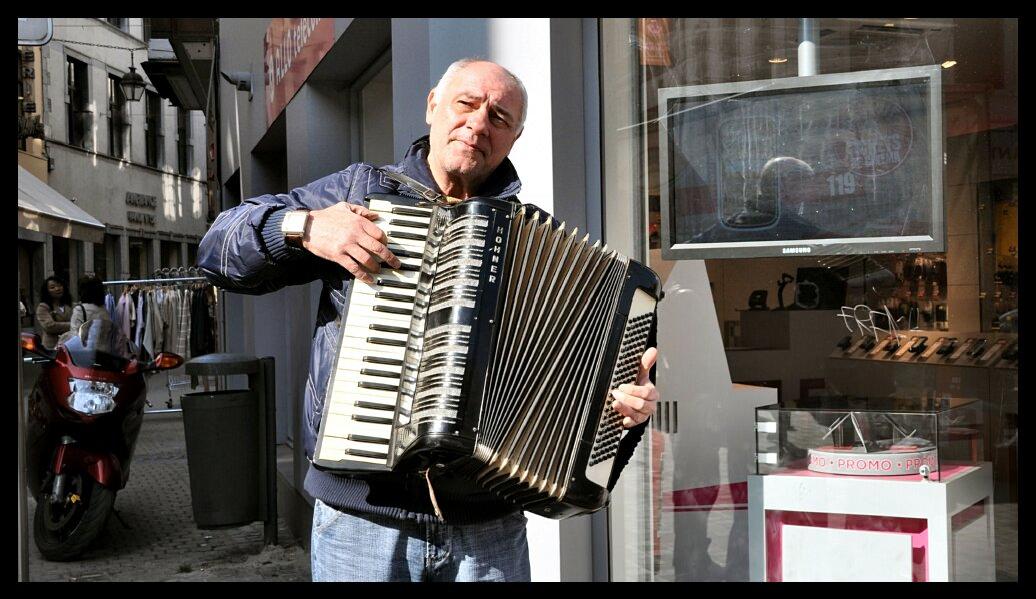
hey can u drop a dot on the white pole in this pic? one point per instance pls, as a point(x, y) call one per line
point(808, 52)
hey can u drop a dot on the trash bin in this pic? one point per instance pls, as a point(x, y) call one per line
point(230, 444)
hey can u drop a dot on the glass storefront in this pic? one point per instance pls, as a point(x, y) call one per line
point(832, 206)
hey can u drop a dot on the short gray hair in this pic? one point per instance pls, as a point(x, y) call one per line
point(461, 64)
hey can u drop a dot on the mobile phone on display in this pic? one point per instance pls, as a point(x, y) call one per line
point(946, 345)
point(963, 348)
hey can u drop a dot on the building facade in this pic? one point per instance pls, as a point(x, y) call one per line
point(137, 167)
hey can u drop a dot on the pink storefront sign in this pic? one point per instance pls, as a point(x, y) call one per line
point(292, 48)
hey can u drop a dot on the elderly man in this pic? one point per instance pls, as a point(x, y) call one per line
point(383, 526)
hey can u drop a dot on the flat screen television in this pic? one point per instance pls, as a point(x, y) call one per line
point(848, 163)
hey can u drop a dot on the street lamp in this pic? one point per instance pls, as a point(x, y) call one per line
point(132, 84)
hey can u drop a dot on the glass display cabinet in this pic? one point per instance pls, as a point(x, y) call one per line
point(871, 489)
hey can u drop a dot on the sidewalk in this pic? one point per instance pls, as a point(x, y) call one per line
point(162, 542)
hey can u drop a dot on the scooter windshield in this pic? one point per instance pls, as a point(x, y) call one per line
point(100, 344)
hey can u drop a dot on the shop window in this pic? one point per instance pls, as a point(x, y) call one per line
point(153, 138)
point(780, 313)
point(77, 102)
point(118, 123)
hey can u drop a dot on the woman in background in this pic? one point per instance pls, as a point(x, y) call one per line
point(91, 303)
point(54, 311)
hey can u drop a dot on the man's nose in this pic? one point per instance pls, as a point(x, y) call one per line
point(478, 120)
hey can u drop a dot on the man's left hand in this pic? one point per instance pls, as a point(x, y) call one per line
point(637, 402)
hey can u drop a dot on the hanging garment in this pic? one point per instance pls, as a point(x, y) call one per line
point(183, 341)
point(203, 331)
point(138, 336)
point(171, 313)
point(109, 305)
point(155, 325)
point(124, 315)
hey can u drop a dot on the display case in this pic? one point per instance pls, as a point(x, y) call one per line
point(860, 436)
point(871, 489)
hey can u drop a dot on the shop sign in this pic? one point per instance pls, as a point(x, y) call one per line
point(140, 218)
point(141, 200)
point(291, 50)
point(654, 42)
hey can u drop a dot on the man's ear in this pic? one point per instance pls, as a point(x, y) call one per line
point(430, 108)
point(520, 131)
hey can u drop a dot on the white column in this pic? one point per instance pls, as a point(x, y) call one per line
point(124, 257)
point(87, 250)
point(546, 54)
point(154, 257)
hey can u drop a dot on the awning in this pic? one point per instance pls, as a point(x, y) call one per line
point(41, 208)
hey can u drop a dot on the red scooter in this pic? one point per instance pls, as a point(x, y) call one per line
point(85, 412)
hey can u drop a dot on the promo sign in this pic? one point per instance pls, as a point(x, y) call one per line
point(292, 48)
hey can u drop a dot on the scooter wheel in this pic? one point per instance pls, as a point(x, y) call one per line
point(64, 530)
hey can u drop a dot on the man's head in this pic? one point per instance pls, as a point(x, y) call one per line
point(476, 113)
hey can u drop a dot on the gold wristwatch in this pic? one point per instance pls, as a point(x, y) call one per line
point(294, 227)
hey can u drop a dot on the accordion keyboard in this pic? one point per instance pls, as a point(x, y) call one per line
point(373, 342)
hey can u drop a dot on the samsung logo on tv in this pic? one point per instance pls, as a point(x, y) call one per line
point(802, 250)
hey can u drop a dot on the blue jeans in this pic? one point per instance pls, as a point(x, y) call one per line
point(347, 546)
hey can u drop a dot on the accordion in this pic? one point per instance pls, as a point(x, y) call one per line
point(490, 352)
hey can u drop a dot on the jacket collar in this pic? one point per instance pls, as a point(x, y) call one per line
point(501, 184)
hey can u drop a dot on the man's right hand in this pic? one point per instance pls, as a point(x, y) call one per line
point(344, 234)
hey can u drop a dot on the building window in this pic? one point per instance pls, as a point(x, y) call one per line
point(77, 101)
point(184, 149)
point(153, 128)
point(120, 22)
point(118, 124)
point(21, 101)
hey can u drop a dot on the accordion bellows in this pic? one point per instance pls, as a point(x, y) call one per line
point(514, 333)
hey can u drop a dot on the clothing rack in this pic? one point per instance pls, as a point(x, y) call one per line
point(166, 276)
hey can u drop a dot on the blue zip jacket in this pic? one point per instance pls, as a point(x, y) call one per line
point(244, 252)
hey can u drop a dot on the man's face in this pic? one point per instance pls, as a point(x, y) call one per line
point(474, 122)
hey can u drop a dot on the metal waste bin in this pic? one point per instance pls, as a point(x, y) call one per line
point(230, 437)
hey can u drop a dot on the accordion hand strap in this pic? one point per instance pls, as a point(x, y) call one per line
point(427, 192)
point(431, 495)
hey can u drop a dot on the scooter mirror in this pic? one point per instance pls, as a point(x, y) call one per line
point(165, 361)
point(32, 343)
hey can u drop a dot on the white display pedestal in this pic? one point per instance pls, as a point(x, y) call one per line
point(822, 527)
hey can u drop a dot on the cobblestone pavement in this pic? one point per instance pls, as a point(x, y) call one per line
point(159, 540)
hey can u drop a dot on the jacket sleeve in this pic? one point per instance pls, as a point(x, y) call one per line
point(244, 251)
point(47, 322)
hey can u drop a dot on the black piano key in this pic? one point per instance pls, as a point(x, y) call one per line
point(408, 223)
point(394, 297)
point(370, 405)
point(367, 439)
point(378, 386)
point(382, 373)
point(406, 235)
point(394, 310)
point(371, 419)
point(397, 284)
point(404, 211)
point(366, 454)
point(380, 360)
point(400, 252)
point(382, 341)
point(409, 267)
point(384, 328)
